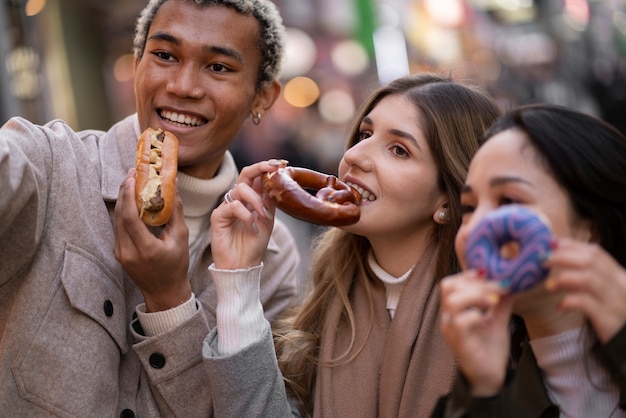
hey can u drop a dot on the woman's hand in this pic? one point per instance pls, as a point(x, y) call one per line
point(595, 284)
point(242, 225)
point(475, 322)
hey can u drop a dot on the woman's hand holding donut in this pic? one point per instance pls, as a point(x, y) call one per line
point(474, 320)
point(242, 225)
point(594, 282)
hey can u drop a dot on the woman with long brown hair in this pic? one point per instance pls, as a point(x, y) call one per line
point(365, 342)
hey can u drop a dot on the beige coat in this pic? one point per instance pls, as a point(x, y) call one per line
point(66, 347)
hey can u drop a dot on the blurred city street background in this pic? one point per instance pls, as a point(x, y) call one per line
point(71, 59)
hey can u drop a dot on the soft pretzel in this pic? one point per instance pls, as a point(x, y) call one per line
point(335, 203)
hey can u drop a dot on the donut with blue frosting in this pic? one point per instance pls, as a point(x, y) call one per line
point(510, 224)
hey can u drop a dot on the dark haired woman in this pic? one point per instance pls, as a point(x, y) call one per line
point(571, 168)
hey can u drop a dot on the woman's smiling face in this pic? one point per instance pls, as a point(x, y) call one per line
point(393, 166)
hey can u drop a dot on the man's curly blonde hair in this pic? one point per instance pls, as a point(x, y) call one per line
point(271, 43)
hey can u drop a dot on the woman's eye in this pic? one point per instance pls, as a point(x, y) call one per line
point(399, 151)
point(363, 134)
point(506, 201)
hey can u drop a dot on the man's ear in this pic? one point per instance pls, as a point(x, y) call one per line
point(265, 98)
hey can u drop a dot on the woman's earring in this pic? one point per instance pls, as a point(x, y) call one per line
point(443, 216)
point(256, 119)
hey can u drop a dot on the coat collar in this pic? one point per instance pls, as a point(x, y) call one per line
point(117, 148)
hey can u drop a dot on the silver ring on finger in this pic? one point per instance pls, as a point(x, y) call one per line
point(228, 198)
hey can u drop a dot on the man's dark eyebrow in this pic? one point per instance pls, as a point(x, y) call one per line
point(223, 51)
point(396, 132)
point(166, 37)
point(162, 36)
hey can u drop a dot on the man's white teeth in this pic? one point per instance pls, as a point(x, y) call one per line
point(181, 118)
point(365, 194)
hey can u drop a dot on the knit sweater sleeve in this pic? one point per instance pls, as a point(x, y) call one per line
point(239, 316)
point(155, 323)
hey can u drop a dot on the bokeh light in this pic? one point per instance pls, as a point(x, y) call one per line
point(300, 53)
point(123, 68)
point(301, 92)
point(448, 13)
point(337, 106)
point(34, 7)
point(350, 57)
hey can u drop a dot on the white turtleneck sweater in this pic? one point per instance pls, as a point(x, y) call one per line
point(393, 285)
point(199, 198)
point(574, 379)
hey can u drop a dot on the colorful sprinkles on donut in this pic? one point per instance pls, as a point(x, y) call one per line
point(510, 226)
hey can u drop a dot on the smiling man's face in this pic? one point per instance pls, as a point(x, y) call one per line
point(197, 78)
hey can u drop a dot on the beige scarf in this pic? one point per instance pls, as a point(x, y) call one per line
point(405, 364)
